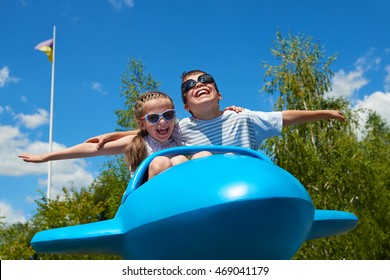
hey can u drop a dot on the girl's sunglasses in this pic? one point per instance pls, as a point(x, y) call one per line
point(189, 84)
point(153, 118)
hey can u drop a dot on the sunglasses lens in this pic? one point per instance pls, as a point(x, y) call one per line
point(152, 118)
point(187, 85)
point(205, 79)
point(169, 115)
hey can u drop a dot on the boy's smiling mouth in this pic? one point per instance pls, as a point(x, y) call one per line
point(201, 92)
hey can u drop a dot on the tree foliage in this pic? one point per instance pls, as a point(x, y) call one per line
point(134, 83)
point(339, 171)
point(72, 208)
point(15, 242)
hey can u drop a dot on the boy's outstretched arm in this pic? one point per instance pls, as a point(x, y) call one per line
point(291, 117)
point(80, 151)
point(102, 139)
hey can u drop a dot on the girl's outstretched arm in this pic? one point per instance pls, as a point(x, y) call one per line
point(81, 151)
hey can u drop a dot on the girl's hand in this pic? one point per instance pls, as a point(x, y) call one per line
point(32, 158)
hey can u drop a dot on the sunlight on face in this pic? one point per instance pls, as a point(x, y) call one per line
point(163, 129)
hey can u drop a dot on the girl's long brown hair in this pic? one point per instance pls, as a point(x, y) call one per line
point(135, 151)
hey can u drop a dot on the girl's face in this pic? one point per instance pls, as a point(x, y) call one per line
point(163, 129)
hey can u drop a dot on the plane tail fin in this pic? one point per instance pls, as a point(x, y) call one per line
point(96, 238)
point(327, 223)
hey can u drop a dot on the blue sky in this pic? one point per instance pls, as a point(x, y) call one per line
point(96, 38)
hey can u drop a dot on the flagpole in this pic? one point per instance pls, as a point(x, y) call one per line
point(51, 116)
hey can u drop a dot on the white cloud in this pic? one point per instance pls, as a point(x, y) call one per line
point(11, 215)
point(30, 199)
point(5, 77)
point(10, 137)
point(65, 173)
point(96, 86)
point(347, 84)
point(387, 79)
point(368, 61)
point(13, 142)
point(35, 120)
point(379, 102)
point(121, 4)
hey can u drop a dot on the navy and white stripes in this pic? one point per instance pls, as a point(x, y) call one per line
point(246, 129)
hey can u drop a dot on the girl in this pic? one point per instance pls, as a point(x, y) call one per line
point(155, 115)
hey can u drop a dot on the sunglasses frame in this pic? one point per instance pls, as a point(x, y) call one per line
point(146, 117)
point(190, 84)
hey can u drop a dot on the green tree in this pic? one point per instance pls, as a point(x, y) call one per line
point(14, 242)
point(302, 76)
point(375, 176)
point(326, 156)
point(110, 185)
point(134, 83)
point(1, 222)
point(72, 208)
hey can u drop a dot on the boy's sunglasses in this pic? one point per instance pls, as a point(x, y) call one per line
point(153, 118)
point(189, 84)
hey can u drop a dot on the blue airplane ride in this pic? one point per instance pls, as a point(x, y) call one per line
point(234, 205)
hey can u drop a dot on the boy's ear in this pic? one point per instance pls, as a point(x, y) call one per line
point(219, 96)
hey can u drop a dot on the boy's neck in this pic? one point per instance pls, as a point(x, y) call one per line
point(205, 115)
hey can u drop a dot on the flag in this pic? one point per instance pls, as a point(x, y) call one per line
point(47, 48)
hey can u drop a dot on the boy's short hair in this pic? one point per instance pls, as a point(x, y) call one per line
point(185, 74)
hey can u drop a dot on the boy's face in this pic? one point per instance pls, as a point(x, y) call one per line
point(200, 94)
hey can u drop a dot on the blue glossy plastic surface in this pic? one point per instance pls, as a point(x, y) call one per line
point(226, 206)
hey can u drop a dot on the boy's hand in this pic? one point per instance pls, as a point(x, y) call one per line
point(337, 115)
point(100, 140)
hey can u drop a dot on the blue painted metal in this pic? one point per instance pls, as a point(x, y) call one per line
point(227, 206)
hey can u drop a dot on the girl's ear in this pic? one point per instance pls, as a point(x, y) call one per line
point(141, 124)
point(219, 96)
